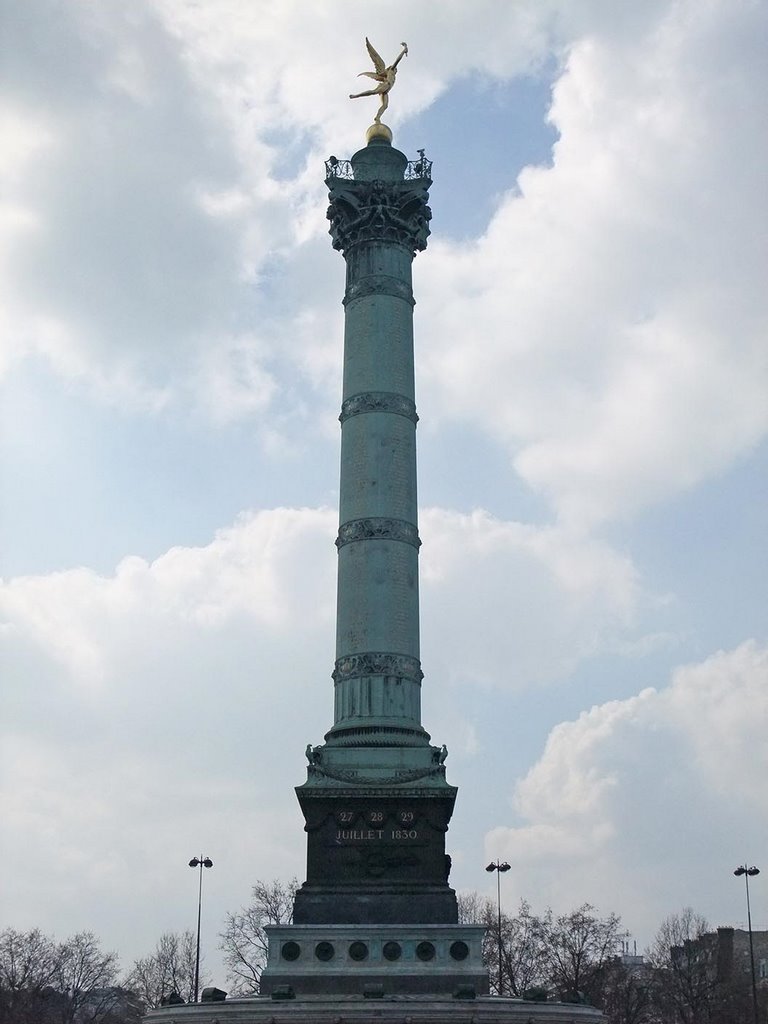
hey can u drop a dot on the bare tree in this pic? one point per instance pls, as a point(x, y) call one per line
point(683, 957)
point(86, 976)
point(169, 969)
point(473, 908)
point(244, 940)
point(28, 964)
point(43, 981)
point(522, 952)
point(628, 995)
point(476, 909)
point(524, 957)
point(578, 948)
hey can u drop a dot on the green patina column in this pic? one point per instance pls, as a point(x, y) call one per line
point(379, 219)
point(376, 801)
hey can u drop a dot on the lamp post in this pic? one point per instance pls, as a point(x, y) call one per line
point(742, 869)
point(498, 868)
point(201, 862)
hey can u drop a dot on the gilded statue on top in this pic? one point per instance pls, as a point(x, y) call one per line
point(384, 75)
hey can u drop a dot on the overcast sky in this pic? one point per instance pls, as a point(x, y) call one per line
point(592, 382)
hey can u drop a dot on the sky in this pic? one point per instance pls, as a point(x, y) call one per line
point(592, 386)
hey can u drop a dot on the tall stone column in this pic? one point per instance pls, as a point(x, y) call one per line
point(379, 219)
point(376, 801)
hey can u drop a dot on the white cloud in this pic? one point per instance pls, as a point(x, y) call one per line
point(88, 623)
point(508, 605)
point(128, 279)
point(216, 660)
point(609, 326)
point(642, 804)
point(178, 683)
point(234, 381)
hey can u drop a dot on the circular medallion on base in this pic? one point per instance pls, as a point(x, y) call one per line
point(379, 132)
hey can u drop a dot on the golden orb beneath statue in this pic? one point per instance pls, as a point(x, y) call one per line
point(378, 131)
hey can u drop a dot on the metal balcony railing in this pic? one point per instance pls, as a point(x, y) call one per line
point(415, 170)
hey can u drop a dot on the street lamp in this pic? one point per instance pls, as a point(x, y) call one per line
point(742, 869)
point(498, 868)
point(201, 862)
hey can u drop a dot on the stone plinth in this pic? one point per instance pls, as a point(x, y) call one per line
point(388, 1010)
point(397, 959)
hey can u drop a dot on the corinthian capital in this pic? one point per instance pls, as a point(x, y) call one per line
point(366, 211)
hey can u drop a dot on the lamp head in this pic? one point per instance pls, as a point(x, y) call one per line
point(207, 863)
point(491, 867)
point(194, 862)
point(504, 866)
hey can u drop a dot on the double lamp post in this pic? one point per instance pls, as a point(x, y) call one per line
point(498, 867)
point(201, 862)
point(750, 872)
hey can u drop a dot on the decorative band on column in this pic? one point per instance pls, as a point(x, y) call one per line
point(378, 401)
point(379, 284)
point(373, 663)
point(378, 529)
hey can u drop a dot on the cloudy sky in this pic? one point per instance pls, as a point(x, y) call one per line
point(592, 378)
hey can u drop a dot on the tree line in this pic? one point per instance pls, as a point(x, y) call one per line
point(575, 957)
point(43, 981)
point(579, 956)
point(582, 956)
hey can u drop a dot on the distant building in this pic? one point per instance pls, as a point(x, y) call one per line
point(732, 949)
point(712, 977)
point(633, 961)
point(630, 959)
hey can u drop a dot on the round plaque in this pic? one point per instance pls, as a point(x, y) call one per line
point(358, 951)
point(290, 951)
point(392, 950)
point(325, 951)
point(459, 950)
point(425, 951)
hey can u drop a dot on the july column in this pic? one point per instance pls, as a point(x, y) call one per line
point(379, 219)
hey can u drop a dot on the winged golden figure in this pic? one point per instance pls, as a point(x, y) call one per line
point(384, 75)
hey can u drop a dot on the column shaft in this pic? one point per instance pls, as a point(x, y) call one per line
point(378, 673)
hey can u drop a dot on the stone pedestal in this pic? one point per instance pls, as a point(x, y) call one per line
point(376, 855)
point(385, 1010)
